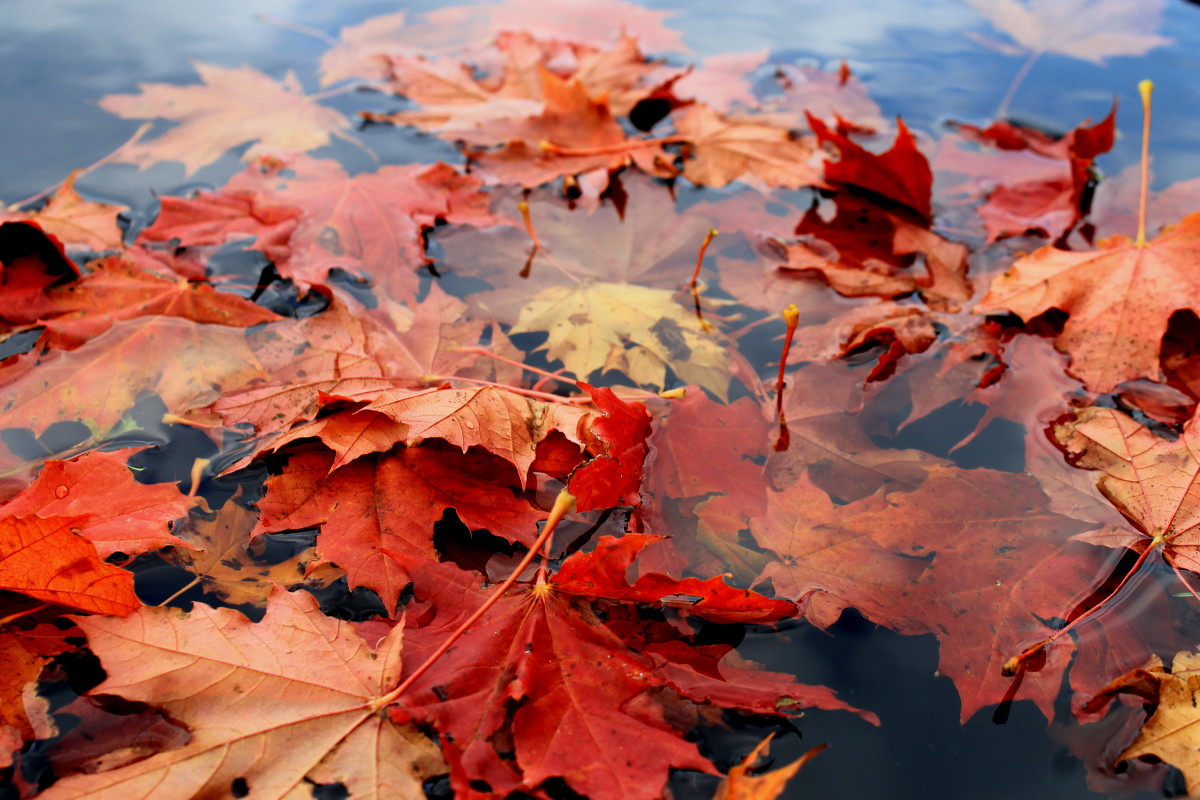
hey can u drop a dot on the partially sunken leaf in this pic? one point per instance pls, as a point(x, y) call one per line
point(269, 705)
point(722, 149)
point(1089, 29)
point(235, 106)
point(217, 551)
point(634, 330)
point(185, 363)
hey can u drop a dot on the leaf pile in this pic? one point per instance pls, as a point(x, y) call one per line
point(359, 435)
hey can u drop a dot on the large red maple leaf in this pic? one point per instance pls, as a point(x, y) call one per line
point(574, 679)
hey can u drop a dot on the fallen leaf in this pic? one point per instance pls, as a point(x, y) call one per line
point(575, 134)
point(1092, 30)
point(1119, 298)
point(1171, 731)
point(371, 224)
point(298, 689)
point(234, 106)
point(43, 558)
point(572, 678)
point(742, 784)
point(183, 362)
point(115, 289)
point(721, 149)
point(217, 550)
point(78, 223)
point(635, 330)
point(380, 505)
point(1153, 482)
point(115, 512)
point(900, 174)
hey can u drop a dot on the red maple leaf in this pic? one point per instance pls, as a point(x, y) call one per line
point(900, 174)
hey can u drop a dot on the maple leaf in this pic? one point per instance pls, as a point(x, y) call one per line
point(455, 98)
point(370, 224)
point(355, 353)
point(1034, 182)
point(115, 289)
point(379, 506)
point(42, 557)
point(505, 423)
point(1153, 482)
point(901, 173)
point(1170, 732)
point(216, 549)
point(181, 361)
point(573, 679)
point(991, 578)
point(115, 512)
point(831, 568)
point(575, 134)
point(741, 784)
point(298, 691)
point(635, 330)
point(617, 439)
point(721, 149)
point(1088, 29)
point(865, 250)
point(642, 241)
point(232, 108)
point(76, 222)
point(1119, 298)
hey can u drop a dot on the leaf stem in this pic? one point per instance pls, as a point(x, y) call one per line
point(708, 237)
point(1013, 664)
point(132, 140)
point(480, 351)
point(11, 618)
point(562, 506)
point(1018, 79)
point(791, 316)
point(1145, 89)
point(552, 398)
point(296, 27)
point(609, 149)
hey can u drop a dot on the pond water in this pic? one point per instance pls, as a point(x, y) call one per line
point(58, 58)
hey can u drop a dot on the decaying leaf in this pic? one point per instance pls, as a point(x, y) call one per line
point(635, 330)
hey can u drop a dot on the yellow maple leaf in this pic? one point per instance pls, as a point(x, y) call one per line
point(636, 330)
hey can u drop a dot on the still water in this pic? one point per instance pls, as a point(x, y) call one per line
point(917, 59)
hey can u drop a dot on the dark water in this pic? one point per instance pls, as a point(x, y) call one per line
point(57, 58)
